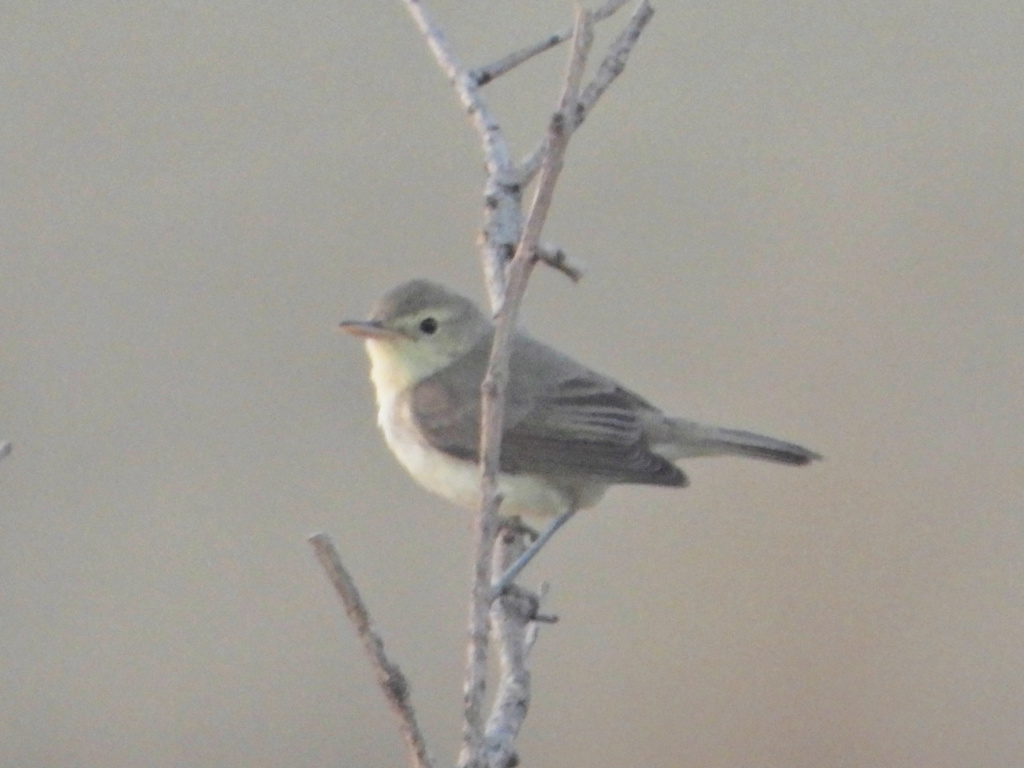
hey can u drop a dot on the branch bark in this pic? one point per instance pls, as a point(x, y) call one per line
point(513, 622)
point(485, 74)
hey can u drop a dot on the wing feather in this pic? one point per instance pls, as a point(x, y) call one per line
point(578, 423)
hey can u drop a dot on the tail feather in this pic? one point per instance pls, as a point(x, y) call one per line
point(700, 440)
point(741, 443)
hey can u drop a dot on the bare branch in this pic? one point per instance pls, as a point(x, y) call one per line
point(531, 163)
point(483, 75)
point(502, 194)
point(615, 60)
point(611, 67)
point(559, 133)
point(558, 259)
point(512, 622)
point(495, 149)
point(510, 249)
point(475, 684)
point(389, 676)
point(493, 394)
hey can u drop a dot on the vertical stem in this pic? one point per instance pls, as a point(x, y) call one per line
point(492, 395)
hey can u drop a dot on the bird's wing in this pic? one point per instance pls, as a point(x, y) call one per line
point(586, 427)
point(576, 423)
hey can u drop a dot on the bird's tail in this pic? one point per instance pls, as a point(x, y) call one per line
point(694, 439)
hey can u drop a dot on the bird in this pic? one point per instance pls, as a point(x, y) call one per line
point(569, 433)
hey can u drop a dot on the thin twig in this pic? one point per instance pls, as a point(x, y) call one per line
point(611, 67)
point(493, 393)
point(389, 676)
point(559, 260)
point(483, 75)
point(614, 61)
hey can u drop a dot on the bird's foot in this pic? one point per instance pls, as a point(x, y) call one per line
point(499, 587)
point(515, 525)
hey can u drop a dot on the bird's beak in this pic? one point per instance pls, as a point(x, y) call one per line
point(367, 329)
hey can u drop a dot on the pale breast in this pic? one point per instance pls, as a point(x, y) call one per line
point(452, 479)
point(458, 480)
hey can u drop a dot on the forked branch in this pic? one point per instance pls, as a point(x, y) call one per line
point(611, 67)
point(484, 75)
point(495, 380)
point(510, 249)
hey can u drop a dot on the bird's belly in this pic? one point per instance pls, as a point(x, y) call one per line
point(458, 480)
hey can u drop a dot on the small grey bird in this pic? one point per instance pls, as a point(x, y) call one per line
point(569, 432)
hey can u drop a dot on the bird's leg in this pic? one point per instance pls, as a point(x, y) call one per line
point(516, 568)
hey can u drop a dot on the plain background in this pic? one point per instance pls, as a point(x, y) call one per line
point(799, 218)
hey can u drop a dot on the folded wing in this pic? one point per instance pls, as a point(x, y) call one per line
point(571, 422)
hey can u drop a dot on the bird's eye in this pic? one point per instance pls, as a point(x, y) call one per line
point(428, 325)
